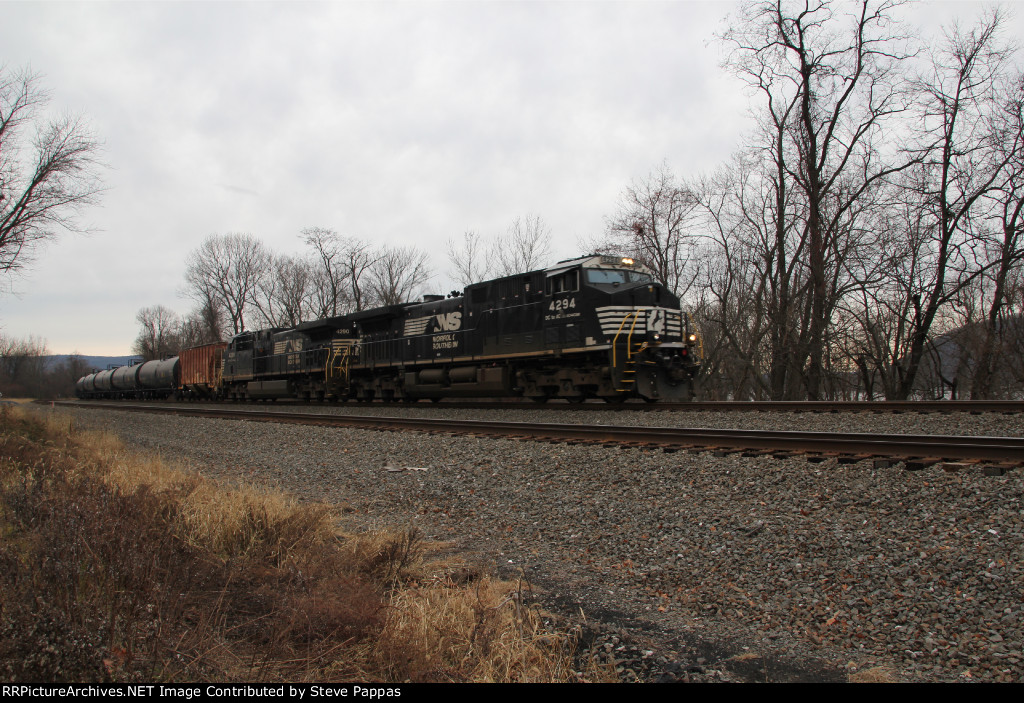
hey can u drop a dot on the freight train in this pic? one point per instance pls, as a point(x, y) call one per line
point(594, 327)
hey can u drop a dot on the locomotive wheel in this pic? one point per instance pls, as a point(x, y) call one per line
point(539, 398)
point(615, 399)
point(575, 399)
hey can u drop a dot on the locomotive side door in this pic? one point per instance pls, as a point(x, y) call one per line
point(563, 313)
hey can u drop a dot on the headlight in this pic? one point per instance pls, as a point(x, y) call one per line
point(626, 261)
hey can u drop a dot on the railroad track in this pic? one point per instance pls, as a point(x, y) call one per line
point(916, 450)
point(793, 406)
point(836, 406)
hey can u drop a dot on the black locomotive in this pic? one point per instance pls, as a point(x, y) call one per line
point(597, 326)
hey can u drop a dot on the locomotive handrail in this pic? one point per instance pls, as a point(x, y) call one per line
point(339, 361)
point(635, 314)
point(303, 357)
point(614, 340)
point(629, 339)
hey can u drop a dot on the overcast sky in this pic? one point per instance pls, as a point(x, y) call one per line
point(404, 123)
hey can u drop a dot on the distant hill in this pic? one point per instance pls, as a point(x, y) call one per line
point(96, 363)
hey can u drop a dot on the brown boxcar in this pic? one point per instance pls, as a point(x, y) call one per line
point(201, 370)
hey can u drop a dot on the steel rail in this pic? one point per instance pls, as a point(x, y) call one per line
point(943, 447)
point(796, 406)
point(872, 406)
point(793, 406)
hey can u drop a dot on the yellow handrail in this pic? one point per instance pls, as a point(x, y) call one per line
point(338, 362)
point(634, 314)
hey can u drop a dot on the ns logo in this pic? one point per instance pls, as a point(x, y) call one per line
point(448, 322)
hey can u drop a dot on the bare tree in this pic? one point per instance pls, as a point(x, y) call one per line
point(652, 225)
point(357, 258)
point(963, 163)
point(525, 247)
point(285, 296)
point(469, 258)
point(342, 263)
point(225, 271)
point(27, 370)
point(22, 365)
point(750, 276)
point(329, 274)
point(833, 77)
point(42, 189)
point(64, 377)
point(397, 273)
point(204, 325)
point(1007, 203)
point(756, 218)
point(159, 333)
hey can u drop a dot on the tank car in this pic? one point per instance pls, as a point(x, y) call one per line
point(152, 379)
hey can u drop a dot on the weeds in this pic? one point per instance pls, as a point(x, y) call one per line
point(117, 568)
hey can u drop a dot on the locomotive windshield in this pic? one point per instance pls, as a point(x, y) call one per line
point(616, 276)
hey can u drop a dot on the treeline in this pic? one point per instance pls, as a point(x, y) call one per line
point(866, 241)
point(26, 371)
point(238, 283)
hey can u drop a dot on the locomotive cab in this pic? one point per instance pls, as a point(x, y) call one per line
point(623, 294)
point(613, 309)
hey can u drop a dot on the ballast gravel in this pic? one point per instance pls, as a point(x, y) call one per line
point(683, 566)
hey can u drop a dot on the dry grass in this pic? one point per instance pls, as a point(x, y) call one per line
point(877, 674)
point(114, 567)
point(483, 633)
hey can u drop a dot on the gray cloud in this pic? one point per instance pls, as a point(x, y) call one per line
point(404, 122)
